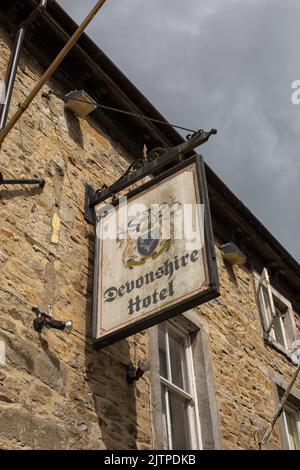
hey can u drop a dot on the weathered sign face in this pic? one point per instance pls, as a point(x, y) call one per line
point(154, 254)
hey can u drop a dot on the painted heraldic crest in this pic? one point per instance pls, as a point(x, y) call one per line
point(148, 235)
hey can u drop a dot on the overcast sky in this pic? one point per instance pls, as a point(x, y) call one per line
point(227, 64)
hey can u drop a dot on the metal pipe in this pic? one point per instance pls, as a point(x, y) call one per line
point(269, 430)
point(40, 183)
point(51, 69)
point(14, 61)
point(35, 14)
point(11, 75)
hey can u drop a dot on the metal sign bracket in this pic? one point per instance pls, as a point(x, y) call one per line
point(40, 183)
point(156, 160)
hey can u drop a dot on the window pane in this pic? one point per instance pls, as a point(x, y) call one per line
point(163, 371)
point(291, 421)
point(176, 357)
point(278, 329)
point(164, 417)
point(265, 305)
point(179, 414)
point(178, 411)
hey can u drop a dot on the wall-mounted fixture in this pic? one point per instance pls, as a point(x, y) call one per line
point(40, 183)
point(154, 162)
point(14, 60)
point(80, 103)
point(10, 82)
point(133, 373)
point(232, 254)
point(44, 320)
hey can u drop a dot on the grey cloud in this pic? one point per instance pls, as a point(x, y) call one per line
point(220, 63)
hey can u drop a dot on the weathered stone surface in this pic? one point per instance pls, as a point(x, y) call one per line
point(3, 257)
point(31, 432)
point(40, 362)
point(48, 387)
point(56, 392)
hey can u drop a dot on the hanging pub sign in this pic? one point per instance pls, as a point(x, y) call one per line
point(154, 254)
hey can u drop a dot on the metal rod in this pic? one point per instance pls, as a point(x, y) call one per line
point(51, 69)
point(268, 431)
point(40, 183)
point(14, 61)
point(148, 168)
point(35, 14)
point(11, 75)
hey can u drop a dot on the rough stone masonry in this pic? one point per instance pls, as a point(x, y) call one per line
point(56, 392)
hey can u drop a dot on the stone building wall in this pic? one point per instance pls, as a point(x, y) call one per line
point(242, 362)
point(56, 391)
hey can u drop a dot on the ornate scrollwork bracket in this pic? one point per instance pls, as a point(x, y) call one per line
point(151, 162)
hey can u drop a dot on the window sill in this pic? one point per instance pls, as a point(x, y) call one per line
point(274, 344)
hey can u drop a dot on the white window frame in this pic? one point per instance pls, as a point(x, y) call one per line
point(280, 385)
point(296, 413)
point(269, 317)
point(193, 421)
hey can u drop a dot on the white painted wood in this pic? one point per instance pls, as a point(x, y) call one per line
point(188, 392)
point(2, 353)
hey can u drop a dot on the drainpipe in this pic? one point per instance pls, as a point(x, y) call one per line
point(14, 61)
